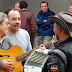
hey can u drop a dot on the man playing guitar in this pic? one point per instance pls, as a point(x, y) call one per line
point(4, 43)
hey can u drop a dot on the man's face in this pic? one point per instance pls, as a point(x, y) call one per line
point(70, 9)
point(56, 30)
point(17, 6)
point(14, 20)
point(44, 7)
point(4, 27)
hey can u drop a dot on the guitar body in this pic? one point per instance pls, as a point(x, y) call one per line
point(13, 52)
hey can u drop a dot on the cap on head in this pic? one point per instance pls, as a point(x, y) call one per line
point(64, 20)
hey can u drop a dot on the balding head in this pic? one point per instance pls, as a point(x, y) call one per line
point(13, 12)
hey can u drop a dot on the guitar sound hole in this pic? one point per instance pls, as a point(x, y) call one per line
point(4, 55)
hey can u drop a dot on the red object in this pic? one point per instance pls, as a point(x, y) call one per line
point(54, 68)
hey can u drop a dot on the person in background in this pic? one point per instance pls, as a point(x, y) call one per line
point(44, 24)
point(70, 9)
point(27, 21)
point(17, 6)
point(62, 29)
point(5, 44)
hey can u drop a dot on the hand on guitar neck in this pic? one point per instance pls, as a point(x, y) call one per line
point(43, 46)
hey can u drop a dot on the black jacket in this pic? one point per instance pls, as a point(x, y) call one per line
point(54, 62)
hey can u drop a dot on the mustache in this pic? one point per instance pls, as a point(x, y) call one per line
point(17, 24)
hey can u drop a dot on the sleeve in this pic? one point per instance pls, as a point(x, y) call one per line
point(1, 64)
point(39, 21)
point(10, 44)
point(54, 64)
point(33, 26)
point(29, 47)
point(49, 22)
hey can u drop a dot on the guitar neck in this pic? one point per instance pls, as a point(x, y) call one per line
point(24, 55)
point(48, 44)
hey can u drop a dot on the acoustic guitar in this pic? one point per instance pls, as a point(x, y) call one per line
point(12, 54)
point(16, 54)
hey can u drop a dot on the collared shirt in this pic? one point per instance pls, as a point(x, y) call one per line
point(2, 40)
point(5, 43)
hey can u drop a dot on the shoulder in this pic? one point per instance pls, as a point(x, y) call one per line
point(29, 13)
point(7, 43)
point(40, 12)
point(56, 61)
point(6, 40)
point(68, 45)
point(23, 31)
point(51, 12)
point(68, 42)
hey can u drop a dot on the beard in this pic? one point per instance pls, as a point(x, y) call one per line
point(16, 29)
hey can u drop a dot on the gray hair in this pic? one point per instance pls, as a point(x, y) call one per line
point(2, 17)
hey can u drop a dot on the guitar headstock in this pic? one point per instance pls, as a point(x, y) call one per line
point(54, 39)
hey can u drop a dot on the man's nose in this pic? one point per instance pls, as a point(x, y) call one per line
point(17, 21)
point(8, 25)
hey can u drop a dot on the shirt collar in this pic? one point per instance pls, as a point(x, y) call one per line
point(61, 42)
point(24, 9)
point(2, 40)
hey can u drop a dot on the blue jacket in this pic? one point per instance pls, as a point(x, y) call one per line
point(45, 28)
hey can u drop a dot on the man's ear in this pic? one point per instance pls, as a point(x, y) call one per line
point(59, 29)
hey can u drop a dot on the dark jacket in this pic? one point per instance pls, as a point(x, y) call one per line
point(45, 28)
point(28, 22)
point(66, 47)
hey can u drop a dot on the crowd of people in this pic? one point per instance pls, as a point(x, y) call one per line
point(19, 27)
